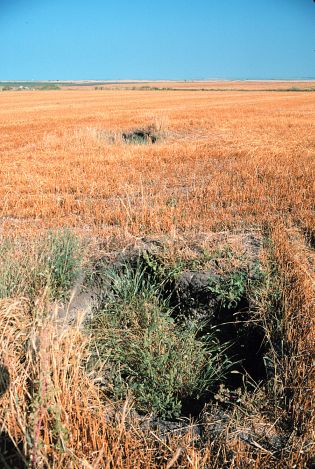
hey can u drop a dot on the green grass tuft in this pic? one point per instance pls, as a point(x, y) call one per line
point(52, 263)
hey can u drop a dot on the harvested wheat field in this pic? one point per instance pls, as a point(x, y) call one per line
point(157, 276)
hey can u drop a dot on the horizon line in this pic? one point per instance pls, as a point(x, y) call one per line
point(155, 79)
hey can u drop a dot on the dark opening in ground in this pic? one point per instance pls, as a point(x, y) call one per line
point(310, 237)
point(4, 379)
point(172, 323)
point(147, 135)
point(227, 310)
point(11, 457)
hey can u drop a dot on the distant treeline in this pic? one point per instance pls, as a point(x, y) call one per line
point(156, 88)
point(28, 86)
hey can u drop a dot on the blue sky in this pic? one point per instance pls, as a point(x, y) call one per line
point(155, 39)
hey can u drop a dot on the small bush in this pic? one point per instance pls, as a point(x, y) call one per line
point(50, 86)
point(229, 290)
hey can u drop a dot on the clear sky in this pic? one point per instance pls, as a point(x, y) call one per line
point(155, 39)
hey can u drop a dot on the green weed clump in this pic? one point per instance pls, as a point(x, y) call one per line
point(148, 355)
point(229, 290)
point(243, 282)
point(52, 263)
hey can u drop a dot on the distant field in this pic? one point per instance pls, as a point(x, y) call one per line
point(214, 85)
point(157, 271)
point(224, 160)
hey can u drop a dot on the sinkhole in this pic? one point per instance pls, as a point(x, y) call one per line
point(164, 356)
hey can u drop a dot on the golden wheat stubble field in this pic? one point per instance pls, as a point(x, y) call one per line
point(223, 159)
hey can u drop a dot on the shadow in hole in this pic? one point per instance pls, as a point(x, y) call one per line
point(4, 379)
point(248, 344)
point(140, 136)
point(11, 456)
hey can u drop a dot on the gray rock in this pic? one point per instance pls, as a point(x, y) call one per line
point(193, 295)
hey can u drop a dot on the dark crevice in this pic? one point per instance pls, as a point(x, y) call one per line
point(247, 345)
point(4, 379)
point(310, 237)
point(11, 456)
point(140, 136)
